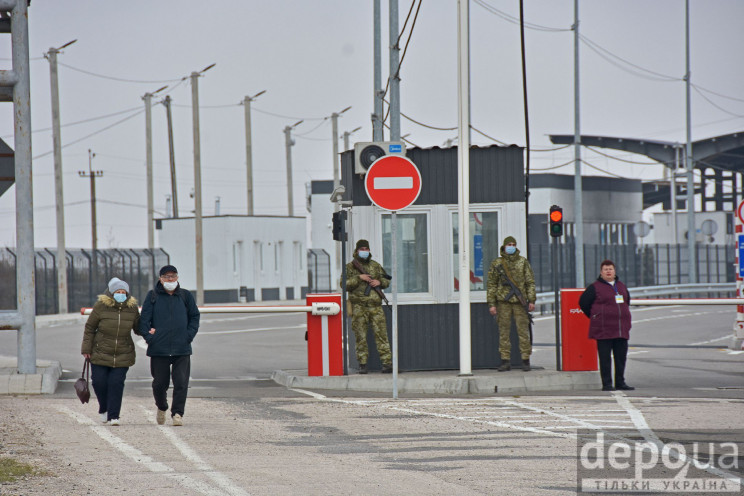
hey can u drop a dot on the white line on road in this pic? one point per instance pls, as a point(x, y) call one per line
point(192, 456)
point(139, 457)
point(722, 338)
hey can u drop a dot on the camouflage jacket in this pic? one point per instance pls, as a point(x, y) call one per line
point(521, 273)
point(355, 286)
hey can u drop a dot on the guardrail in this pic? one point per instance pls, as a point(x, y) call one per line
point(548, 298)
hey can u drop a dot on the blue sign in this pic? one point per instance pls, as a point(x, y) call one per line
point(395, 148)
point(741, 255)
point(478, 255)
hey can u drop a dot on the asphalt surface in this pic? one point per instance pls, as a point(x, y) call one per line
point(243, 434)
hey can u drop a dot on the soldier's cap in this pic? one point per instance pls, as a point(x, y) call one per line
point(509, 239)
point(167, 268)
point(362, 243)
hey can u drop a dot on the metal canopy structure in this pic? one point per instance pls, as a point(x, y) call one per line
point(719, 159)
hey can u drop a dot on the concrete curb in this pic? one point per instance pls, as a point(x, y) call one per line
point(44, 381)
point(446, 382)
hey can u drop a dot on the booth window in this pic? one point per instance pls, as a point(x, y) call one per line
point(413, 258)
point(484, 247)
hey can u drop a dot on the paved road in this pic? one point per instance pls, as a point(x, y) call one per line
point(245, 435)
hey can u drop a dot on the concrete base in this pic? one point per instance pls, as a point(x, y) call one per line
point(447, 381)
point(44, 381)
point(736, 343)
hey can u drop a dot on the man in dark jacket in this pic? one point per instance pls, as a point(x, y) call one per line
point(607, 303)
point(169, 323)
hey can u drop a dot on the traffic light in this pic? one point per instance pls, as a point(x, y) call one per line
point(556, 221)
point(339, 231)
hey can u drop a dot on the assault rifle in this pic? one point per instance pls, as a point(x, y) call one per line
point(514, 291)
point(358, 266)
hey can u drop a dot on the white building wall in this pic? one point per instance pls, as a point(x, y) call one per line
point(266, 254)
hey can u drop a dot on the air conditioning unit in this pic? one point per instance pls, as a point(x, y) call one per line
point(365, 154)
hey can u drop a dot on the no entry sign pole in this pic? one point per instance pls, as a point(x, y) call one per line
point(393, 183)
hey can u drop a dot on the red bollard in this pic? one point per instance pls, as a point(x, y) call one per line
point(578, 352)
point(324, 339)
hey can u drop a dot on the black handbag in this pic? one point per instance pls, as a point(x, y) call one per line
point(81, 385)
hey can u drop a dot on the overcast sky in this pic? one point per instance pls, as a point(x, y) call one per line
point(314, 58)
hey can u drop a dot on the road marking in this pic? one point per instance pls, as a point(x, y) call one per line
point(239, 331)
point(104, 432)
point(221, 479)
point(722, 338)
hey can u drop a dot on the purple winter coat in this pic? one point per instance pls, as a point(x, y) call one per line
point(608, 319)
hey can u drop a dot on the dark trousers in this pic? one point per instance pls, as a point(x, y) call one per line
point(617, 347)
point(163, 369)
point(108, 383)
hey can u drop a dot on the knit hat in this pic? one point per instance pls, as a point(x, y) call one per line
point(116, 284)
point(509, 239)
point(362, 243)
point(168, 268)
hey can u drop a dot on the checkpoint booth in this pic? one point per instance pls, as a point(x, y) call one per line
point(427, 278)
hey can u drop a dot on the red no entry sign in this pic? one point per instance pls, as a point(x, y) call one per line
point(393, 182)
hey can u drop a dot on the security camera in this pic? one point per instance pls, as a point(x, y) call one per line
point(338, 193)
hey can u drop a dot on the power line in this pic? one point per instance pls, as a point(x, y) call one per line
point(514, 20)
point(716, 106)
point(84, 121)
point(113, 78)
point(601, 51)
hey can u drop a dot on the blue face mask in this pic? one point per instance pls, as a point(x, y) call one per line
point(120, 297)
point(364, 255)
point(510, 250)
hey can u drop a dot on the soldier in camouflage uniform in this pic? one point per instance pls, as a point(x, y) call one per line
point(518, 269)
point(367, 308)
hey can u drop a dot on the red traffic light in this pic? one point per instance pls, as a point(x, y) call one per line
point(556, 215)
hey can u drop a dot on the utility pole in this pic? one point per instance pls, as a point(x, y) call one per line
point(689, 164)
point(93, 221)
point(578, 187)
point(61, 260)
point(249, 149)
point(288, 144)
point(172, 155)
point(197, 186)
point(148, 154)
point(347, 145)
point(394, 76)
point(377, 134)
point(336, 182)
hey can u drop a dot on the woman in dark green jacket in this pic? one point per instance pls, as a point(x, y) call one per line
point(108, 343)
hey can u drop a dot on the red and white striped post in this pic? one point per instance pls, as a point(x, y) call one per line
point(737, 339)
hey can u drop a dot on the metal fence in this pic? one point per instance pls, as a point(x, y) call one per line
point(318, 271)
point(637, 265)
point(88, 273)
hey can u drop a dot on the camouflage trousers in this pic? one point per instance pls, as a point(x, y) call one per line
point(505, 312)
point(361, 318)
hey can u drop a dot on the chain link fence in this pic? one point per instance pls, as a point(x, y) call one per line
point(88, 272)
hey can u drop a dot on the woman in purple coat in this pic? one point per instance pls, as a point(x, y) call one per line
point(607, 304)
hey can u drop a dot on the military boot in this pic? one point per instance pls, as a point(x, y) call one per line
point(505, 366)
point(387, 368)
point(362, 368)
point(526, 365)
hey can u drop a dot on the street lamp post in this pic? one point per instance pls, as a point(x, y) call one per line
point(249, 149)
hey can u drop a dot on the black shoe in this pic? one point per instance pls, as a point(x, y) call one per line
point(526, 365)
point(608, 388)
point(504, 367)
point(363, 368)
point(625, 387)
point(387, 368)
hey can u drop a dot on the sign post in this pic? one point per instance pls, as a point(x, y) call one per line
point(737, 339)
point(393, 183)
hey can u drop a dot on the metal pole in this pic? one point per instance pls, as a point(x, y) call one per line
point(345, 328)
point(692, 256)
point(248, 154)
point(93, 217)
point(463, 179)
point(578, 189)
point(377, 131)
point(394, 232)
point(197, 190)
point(58, 184)
point(338, 266)
point(394, 78)
point(288, 146)
point(675, 234)
point(172, 156)
point(25, 285)
point(557, 307)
